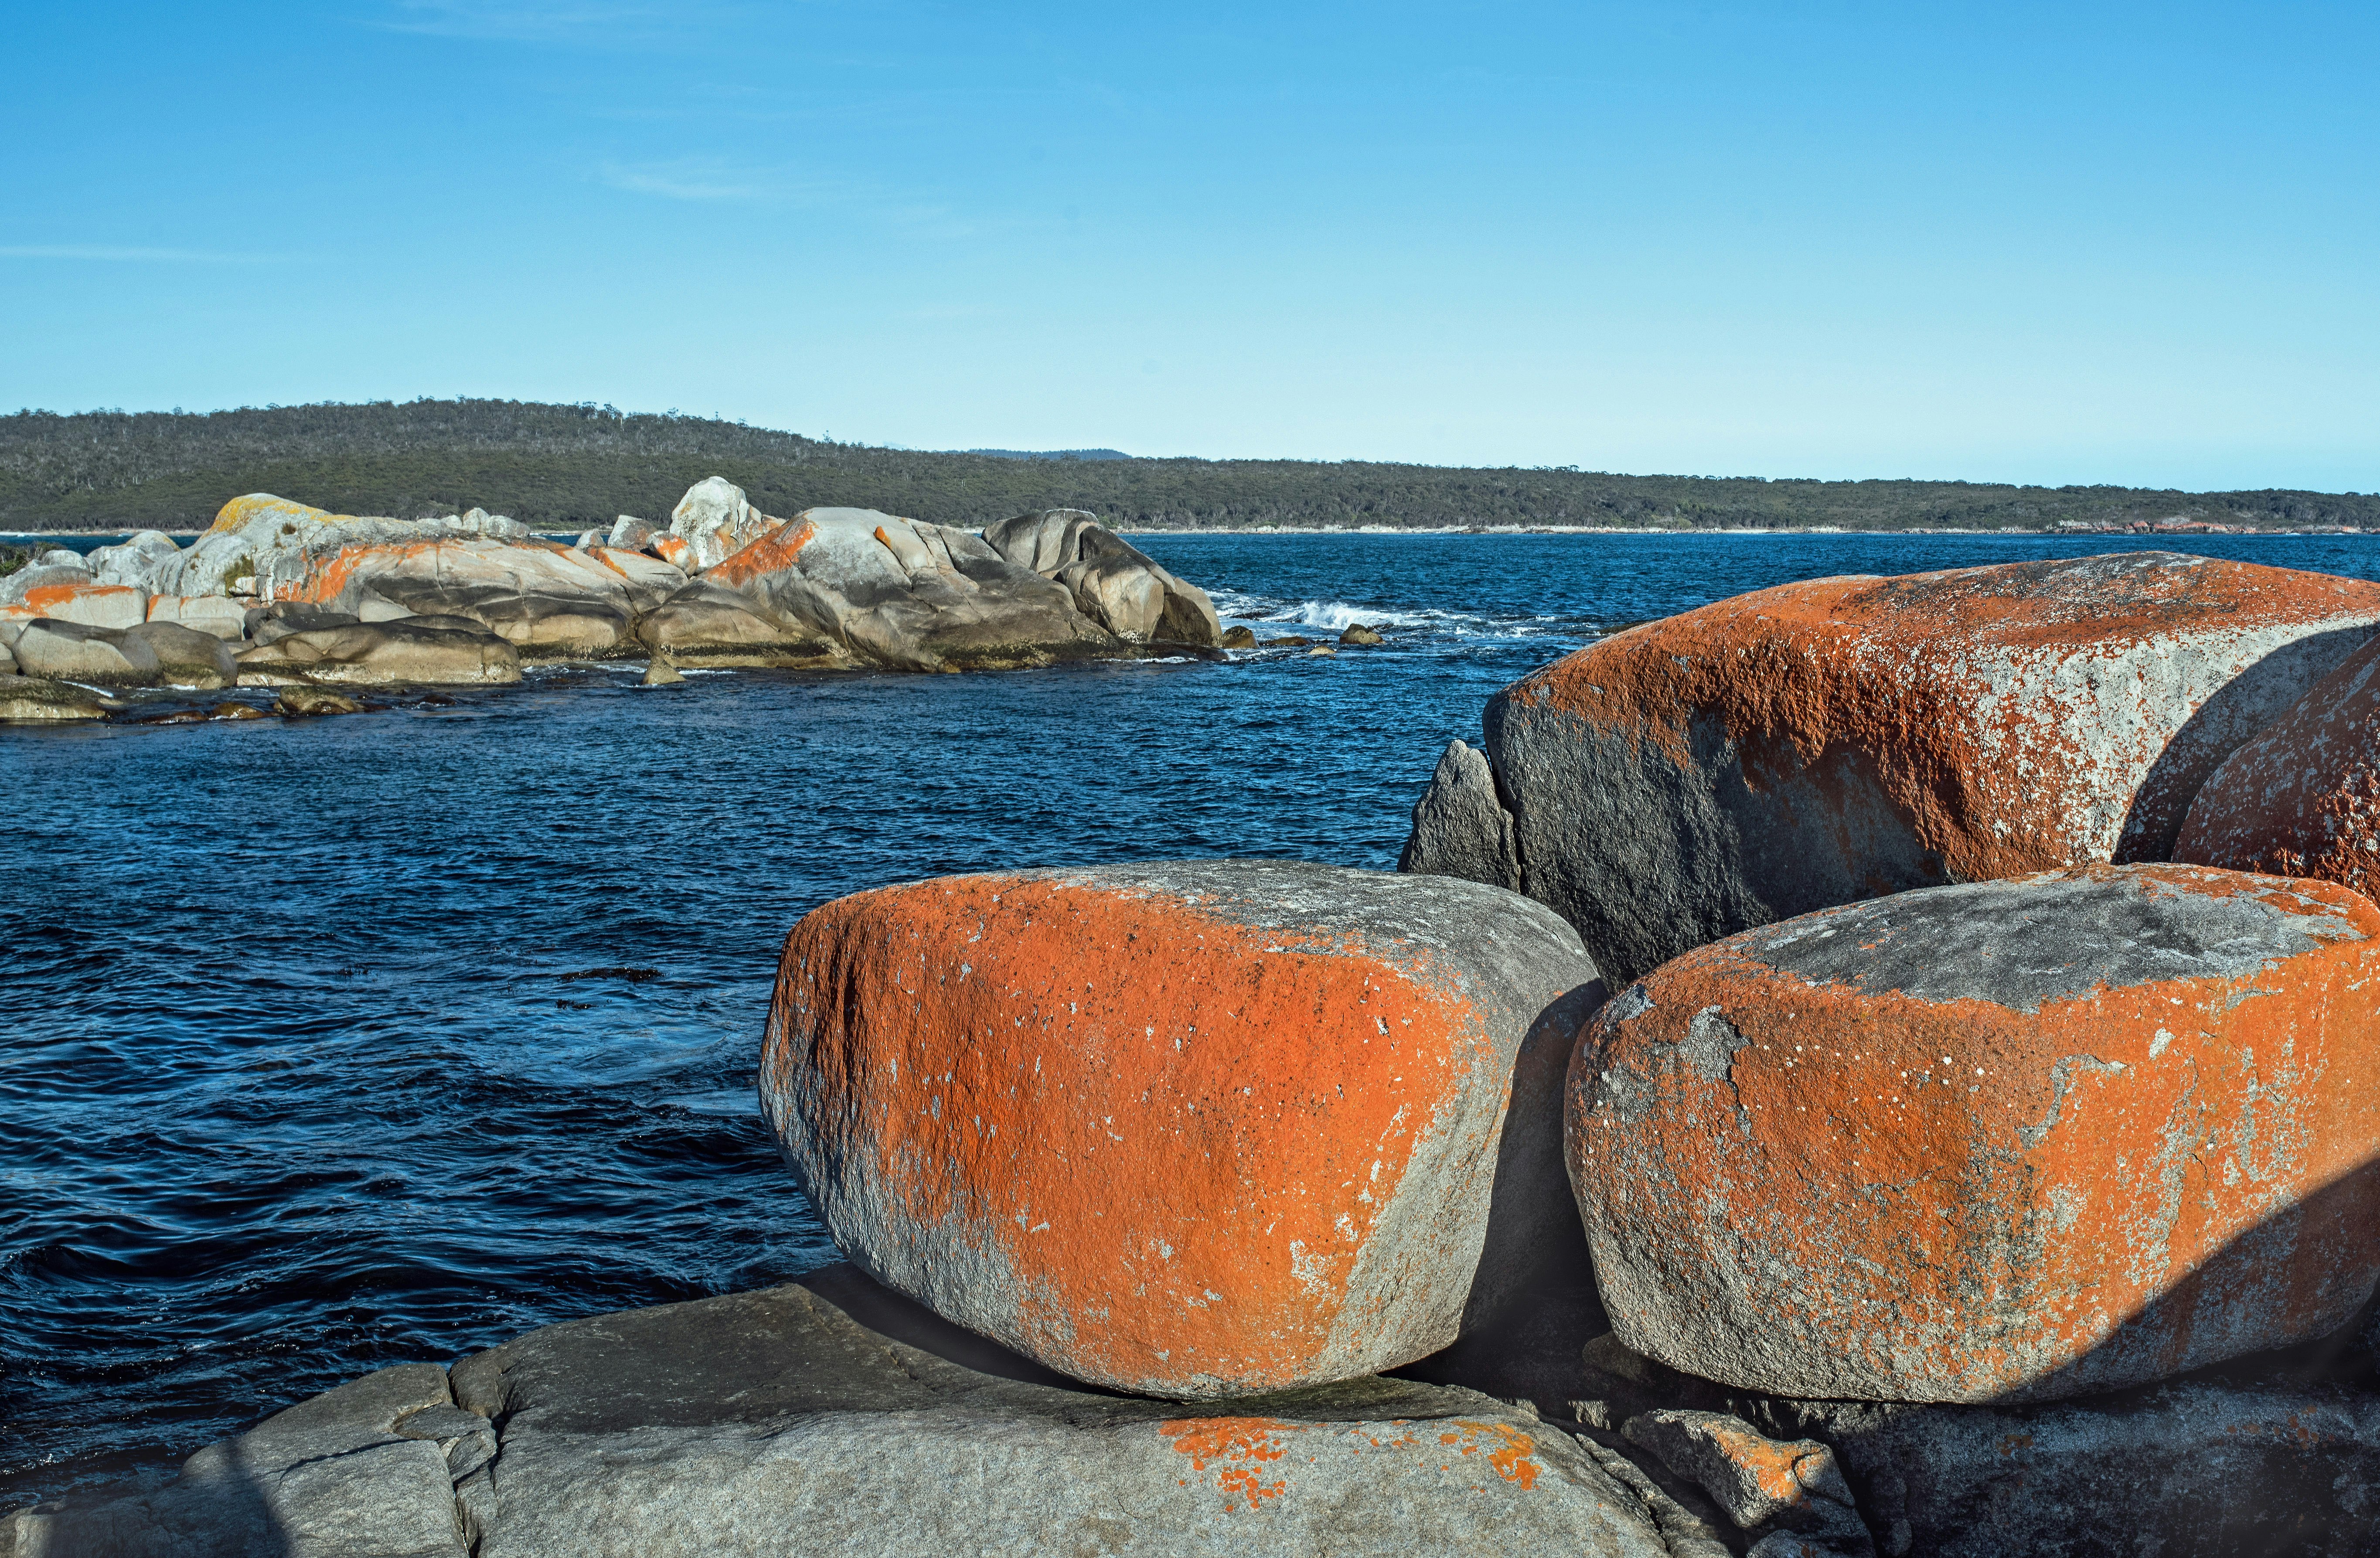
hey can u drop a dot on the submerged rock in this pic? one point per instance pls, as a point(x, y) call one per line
point(308, 701)
point(1198, 1128)
point(1834, 740)
point(2010, 1141)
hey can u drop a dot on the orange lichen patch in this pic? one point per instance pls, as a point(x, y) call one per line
point(2007, 713)
point(772, 553)
point(241, 510)
point(1237, 1449)
point(1769, 1463)
point(1511, 1453)
point(1958, 1199)
point(2304, 797)
point(1170, 1136)
point(48, 600)
point(676, 549)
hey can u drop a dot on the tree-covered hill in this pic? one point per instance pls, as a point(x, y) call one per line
point(564, 466)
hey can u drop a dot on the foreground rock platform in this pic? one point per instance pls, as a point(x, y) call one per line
point(1829, 741)
point(830, 1416)
point(2008, 1141)
point(1198, 1128)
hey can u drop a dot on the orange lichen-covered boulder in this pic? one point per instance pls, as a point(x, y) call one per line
point(1191, 1128)
point(2304, 797)
point(2010, 1141)
point(1824, 742)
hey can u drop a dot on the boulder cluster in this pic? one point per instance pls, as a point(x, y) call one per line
point(1871, 1066)
point(278, 594)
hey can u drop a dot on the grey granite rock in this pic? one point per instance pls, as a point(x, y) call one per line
point(832, 1416)
point(1459, 827)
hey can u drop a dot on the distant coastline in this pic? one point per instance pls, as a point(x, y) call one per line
point(568, 468)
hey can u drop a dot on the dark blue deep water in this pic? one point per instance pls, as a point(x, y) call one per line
point(335, 1043)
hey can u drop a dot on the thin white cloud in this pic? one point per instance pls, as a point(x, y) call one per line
point(112, 253)
point(692, 179)
point(600, 22)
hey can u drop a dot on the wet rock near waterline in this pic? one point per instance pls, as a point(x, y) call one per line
point(1112, 581)
point(2013, 1140)
point(2302, 797)
point(1459, 827)
point(40, 701)
point(1834, 740)
point(1198, 1128)
point(1360, 635)
point(380, 653)
point(308, 701)
point(1237, 638)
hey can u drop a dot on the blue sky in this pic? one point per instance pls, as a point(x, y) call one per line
point(2004, 242)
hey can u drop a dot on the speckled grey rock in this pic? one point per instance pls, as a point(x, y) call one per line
point(330, 1478)
point(832, 1416)
point(1459, 827)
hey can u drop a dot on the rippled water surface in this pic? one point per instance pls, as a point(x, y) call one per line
point(336, 1044)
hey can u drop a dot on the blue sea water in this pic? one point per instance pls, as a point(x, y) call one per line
point(335, 1043)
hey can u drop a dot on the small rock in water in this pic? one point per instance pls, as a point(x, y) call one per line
point(659, 671)
point(1322, 649)
point(1358, 634)
point(1238, 638)
point(315, 700)
point(236, 711)
point(1292, 642)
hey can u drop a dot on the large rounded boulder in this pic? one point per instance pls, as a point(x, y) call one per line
point(2304, 797)
point(1194, 1128)
point(382, 653)
point(1829, 741)
point(2004, 1141)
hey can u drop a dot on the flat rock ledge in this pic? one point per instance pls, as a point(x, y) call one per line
point(830, 1415)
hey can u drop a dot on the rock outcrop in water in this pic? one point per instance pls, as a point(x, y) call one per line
point(2031, 1214)
point(723, 585)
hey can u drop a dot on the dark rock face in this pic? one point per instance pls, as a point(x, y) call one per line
point(2304, 797)
point(1840, 740)
point(37, 700)
point(2013, 1140)
point(1459, 828)
point(2213, 1470)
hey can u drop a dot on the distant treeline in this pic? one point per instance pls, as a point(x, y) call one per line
point(563, 468)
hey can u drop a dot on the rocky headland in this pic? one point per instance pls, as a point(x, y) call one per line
point(280, 595)
point(1875, 1067)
